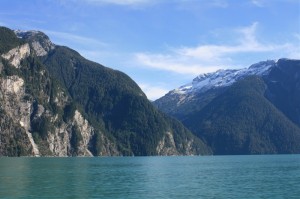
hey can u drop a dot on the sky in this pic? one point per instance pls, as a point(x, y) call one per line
point(163, 44)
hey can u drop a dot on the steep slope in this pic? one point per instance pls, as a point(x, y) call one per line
point(248, 111)
point(111, 99)
point(13, 140)
point(65, 105)
point(242, 121)
point(33, 106)
point(283, 91)
point(193, 96)
point(8, 40)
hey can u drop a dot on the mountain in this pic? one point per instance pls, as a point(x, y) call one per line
point(193, 96)
point(248, 111)
point(54, 102)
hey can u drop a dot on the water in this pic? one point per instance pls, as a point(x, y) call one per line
point(268, 176)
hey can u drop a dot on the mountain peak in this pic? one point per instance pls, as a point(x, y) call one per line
point(262, 64)
point(22, 33)
point(248, 111)
point(56, 102)
point(224, 77)
point(39, 41)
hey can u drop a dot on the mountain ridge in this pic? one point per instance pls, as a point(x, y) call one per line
point(61, 104)
point(223, 77)
point(231, 120)
point(54, 102)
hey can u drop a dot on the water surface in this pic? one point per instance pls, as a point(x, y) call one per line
point(265, 176)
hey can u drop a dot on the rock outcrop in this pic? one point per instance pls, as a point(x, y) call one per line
point(56, 103)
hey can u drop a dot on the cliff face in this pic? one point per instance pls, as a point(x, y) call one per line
point(56, 103)
point(34, 127)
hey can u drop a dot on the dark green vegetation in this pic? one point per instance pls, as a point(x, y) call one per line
point(13, 139)
point(8, 40)
point(112, 101)
point(39, 89)
point(175, 107)
point(61, 82)
point(243, 121)
point(73, 107)
point(283, 91)
point(256, 115)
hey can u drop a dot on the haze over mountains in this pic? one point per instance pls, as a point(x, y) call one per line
point(54, 102)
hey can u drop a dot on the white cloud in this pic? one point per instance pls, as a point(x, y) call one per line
point(74, 38)
point(246, 43)
point(153, 92)
point(295, 54)
point(172, 63)
point(258, 3)
point(267, 3)
point(122, 2)
point(293, 50)
point(208, 58)
point(297, 35)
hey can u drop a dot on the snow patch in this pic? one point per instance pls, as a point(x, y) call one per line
point(19, 33)
point(223, 78)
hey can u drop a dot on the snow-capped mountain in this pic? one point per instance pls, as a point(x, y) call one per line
point(222, 78)
point(179, 99)
point(205, 87)
point(248, 111)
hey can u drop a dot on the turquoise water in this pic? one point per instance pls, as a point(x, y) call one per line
point(266, 176)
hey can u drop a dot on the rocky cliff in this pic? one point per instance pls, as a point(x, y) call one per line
point(56, 103)
point(30, 106)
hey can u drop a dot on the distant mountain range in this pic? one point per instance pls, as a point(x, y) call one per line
point(255, 110)
point(54, 102)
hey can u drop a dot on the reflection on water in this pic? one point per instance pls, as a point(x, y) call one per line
point(275, 176)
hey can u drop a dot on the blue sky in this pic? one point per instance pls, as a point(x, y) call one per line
point(163, 44)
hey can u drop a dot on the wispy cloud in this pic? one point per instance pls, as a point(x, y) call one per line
point(294, 50)
point(246, 43)
point(74, 38)
point(297, 35)
point(173, 62)
point(131, 3)
point(153, 92)
point(267, 3)
point(208, 58)
point(258, 3)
